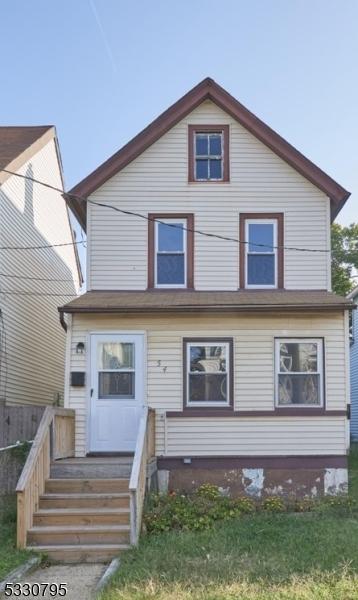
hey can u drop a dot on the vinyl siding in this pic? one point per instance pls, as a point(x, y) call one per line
point(354, 377)
point(32, 340)
point(253, 382)
point(157, 181)
point(256, 437)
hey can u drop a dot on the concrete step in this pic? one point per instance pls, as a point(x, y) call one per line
point(80, 516)
point(81, 534)
point(120, 500)
point(79, 553)
point(91, 468)
point(76, 486)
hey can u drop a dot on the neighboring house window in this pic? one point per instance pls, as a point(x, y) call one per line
point(208, 372)
point(261, 250)
point(299, 372)
point(208, 153)
point(171, 253)
point(351, 327)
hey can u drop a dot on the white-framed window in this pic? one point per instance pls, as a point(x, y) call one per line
point(299, 372)
point(261, 253)
point(170, 249)
point(208, 373)
point(208, 156)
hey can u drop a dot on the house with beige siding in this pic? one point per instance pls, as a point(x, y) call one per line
point(38, 266)
point(209, 300)
point(209, 346)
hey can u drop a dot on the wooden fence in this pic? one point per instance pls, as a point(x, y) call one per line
point(19, 423)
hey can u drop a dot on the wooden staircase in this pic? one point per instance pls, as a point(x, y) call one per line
point(81, 509)
point(84, 513)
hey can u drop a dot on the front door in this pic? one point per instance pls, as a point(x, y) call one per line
point(117, 391)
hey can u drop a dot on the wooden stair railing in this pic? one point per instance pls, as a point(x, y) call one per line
point(55, 438)
point(144, 451)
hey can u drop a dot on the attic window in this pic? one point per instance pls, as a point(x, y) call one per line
point(209, 153)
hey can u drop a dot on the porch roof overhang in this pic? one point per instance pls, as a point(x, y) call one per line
point(159, 301)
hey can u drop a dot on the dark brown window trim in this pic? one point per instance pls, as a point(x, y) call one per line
point(190, 410)
point(225, 130)
point(280, 242)
point(294, 412)
point(189, 249)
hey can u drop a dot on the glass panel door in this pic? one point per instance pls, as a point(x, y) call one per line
point(117, 391)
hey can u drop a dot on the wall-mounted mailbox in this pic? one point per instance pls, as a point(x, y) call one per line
point(77, 378)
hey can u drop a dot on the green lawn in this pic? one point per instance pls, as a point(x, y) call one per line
point(10, 557)
point(310, 556)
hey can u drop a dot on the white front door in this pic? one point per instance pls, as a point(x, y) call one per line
point(117, 391)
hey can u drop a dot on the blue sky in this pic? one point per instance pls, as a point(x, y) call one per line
point(101, 70)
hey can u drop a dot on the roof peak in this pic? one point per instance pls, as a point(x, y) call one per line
point(206, 89)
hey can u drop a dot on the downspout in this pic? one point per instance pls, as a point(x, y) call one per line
point(62, 320)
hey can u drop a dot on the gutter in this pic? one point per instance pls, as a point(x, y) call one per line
point(206, 308)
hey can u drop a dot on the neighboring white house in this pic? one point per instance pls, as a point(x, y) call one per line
point(354, 366)
point(240, 346)
point(33, 281)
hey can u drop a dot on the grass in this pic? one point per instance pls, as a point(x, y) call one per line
point(10, 556)
point(309, 556)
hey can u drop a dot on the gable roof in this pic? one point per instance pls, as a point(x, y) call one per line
point(208, 89)
point(15, 140)
point(18, 144)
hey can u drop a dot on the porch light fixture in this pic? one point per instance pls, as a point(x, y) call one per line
point(80, 348)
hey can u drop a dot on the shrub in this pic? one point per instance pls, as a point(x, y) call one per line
point(208, 491)
point(194, 512)
point(244, 505)
point(336, 504)
point(203, 508)
point(303, 505)
point(274, 504)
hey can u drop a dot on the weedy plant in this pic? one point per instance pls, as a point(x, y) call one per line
point(201, 509)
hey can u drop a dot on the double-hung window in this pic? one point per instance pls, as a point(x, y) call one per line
point(208, 153)
point(170, 251)
point(299, 372)
point(208, 156)
point(261, 251)
point(208, 372)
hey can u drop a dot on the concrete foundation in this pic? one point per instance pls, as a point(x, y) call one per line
point(309, 480)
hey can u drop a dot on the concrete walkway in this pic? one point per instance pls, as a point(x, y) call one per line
point(80, 579)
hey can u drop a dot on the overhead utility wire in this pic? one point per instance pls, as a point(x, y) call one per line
point(40, 247)
point(147, 218)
